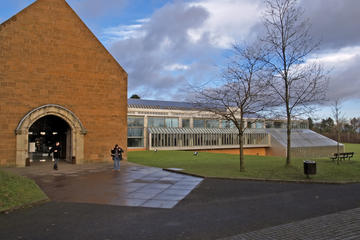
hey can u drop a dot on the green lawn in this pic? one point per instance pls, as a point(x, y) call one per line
point(350, 147)
point(227, 166)
point(17, 191)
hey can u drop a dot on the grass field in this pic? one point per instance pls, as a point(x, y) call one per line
point(17, 191)
point(350, 147)
point(257, 167)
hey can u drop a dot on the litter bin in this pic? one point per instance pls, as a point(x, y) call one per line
point(309, 168)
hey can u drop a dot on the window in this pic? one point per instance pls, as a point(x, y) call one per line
point(249, 124)
point(206, 123)
point(212, 123)
point(163, 122)
point(135, 122)
point(135, 132)
point(199, 123)
point(186, 123)
point(259, 125)
point(227, 124)
point(172, 122)
point(156, 122)
point(135, 142)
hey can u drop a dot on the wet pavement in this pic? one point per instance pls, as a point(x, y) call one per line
point(217, 208)
point(134, 185)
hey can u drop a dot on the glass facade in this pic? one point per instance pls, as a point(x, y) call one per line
point(172, 122)
point(135, 132)
point(163, 122)
point(206, 123)
point(259, 125)
point(213, 135)
point(135, 142)
point(278, 125)
point(282, 124)
point(199, 123)
point(156, 122)
point(227, 124)
point(210, 123)
point(186, 123)
point(135, 122)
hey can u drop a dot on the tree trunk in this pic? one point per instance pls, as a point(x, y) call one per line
point(241, 144)
point(288, 147)
point(338, 142)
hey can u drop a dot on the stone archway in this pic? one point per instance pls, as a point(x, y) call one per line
point(78, 131)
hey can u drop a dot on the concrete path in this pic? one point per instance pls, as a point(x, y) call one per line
point(339, 226)
point(134, 185)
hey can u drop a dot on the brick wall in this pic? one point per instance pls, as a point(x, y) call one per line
point(49, 56)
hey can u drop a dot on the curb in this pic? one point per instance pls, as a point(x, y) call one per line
point(28, 205)
point(262, 179)
point(183, 173)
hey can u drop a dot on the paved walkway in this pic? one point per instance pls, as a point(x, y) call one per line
point(215, 209)
point(134, 185)
point(339, 226)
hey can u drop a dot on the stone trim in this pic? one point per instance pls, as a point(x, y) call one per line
point(18, 128)
point(78, 131)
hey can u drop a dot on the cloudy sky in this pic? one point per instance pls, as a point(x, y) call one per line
point(167, 46)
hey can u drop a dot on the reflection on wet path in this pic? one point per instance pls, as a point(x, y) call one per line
point(134, 185)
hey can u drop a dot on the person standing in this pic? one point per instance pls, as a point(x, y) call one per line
point(116, 154)
point(56, 150)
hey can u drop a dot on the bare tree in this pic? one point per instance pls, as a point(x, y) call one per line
point(338, 129)
point(296, 82)
point(239, 93)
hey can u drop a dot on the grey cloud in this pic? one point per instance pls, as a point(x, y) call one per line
point(345, 82)
point(334, 22)
point(172, 23)
point(166, 42)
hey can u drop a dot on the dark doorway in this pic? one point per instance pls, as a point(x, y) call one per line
point(43, 135)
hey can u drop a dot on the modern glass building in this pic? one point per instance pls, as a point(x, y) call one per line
point(166, 125)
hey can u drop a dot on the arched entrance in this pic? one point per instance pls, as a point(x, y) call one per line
point(43, 124)
point(43, 135)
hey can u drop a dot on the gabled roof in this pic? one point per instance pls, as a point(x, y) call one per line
point(37, 3)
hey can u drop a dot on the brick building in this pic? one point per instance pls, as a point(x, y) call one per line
point(58, 83)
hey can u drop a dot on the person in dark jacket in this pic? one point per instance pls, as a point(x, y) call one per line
point(56, 150)
point(116, 154)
